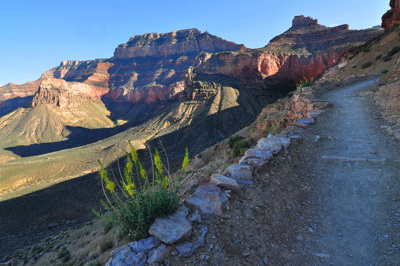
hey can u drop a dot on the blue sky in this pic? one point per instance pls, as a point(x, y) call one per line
point(36, 36)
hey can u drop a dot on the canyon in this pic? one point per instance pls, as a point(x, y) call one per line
point(157, 87)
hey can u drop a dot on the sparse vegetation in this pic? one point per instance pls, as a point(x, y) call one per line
point(64, 255)
point(393, 51)
point(238, 145)
point(106, 246)
point(384, 71)
point(366, 65)
point(142, 197)
point(379, 56)
point(386, 58)
point(305, 83)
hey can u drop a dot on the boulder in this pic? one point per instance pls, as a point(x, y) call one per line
point(208, 198)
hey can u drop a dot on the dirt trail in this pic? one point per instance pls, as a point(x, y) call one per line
point(356, 201)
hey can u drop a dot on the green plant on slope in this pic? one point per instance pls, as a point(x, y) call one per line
point(366, 65)
point(393, 51)
point(305, 83)
point(141, 197)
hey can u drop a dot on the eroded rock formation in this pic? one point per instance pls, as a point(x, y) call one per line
point(173, 43)
point(62, 93)
point(392, 16)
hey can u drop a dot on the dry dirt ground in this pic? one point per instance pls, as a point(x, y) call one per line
point(334, 199)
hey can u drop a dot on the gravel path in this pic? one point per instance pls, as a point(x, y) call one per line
point(356, 204)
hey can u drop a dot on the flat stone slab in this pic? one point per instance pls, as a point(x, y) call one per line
point(208, 198)
point(306, 121)
point(173, 228)
point(243, 174)
point(226, 183)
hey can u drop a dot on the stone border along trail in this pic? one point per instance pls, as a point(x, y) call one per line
point(332, 199)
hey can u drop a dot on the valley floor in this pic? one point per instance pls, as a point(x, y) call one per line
point(334, 199)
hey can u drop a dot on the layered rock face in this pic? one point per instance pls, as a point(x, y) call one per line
point(13, 96)
point(61, 93)
point(149, 68)
point(173, 43)
point(302, 52)
point(306, 36)
point(392, 16)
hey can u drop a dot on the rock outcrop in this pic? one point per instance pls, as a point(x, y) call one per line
point(62, 93)
point(302, 21)
point(13, 96)
point(392, 16)
point(173, 43)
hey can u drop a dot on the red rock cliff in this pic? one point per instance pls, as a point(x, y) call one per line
point(392, 16)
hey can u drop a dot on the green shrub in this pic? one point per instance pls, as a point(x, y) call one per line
point(379, 56)
point(386, 58)
point(384, 71)
point(141, 197)
point(366, 65)
point(240, 147)
point(305, 83)
point(64, 254)
point(393, 51)
point(233, 139)
point(106, 246)
point(366, 49)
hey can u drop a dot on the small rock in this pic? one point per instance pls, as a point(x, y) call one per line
point(159, 254)
point(208, 198)
point(144, 245)
point(124, 256)
point(195, 217)
point(172, 229)
point(225, 182)
point(242, 174)
point(188, 249)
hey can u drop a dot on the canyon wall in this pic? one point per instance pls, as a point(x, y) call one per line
point(392, 16)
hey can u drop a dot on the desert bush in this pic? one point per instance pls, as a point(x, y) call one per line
point(305, 83)
point(233, 139)
point(366, 65)
point(386, 58)
point(366, 49)
point(64, 255)
point(379, 56)
point(384, 71)
point(106, 246)
point(393, 51)
point(140, 197)
point(240, 147)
